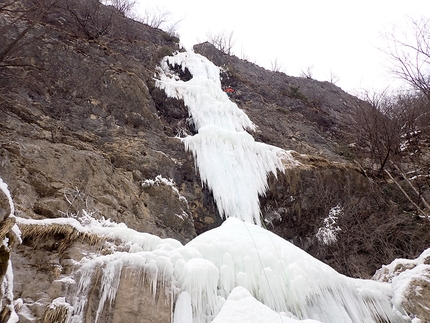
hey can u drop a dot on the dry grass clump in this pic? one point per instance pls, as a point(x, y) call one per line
point(63, 232)
point(6, 226)
point(56, 313)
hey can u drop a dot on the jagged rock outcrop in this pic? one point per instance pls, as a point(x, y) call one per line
point(412, 277)
point(48, 258)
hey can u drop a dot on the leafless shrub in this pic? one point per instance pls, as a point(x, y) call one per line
point(123, 6)
point(308, 73)
point(90, 17)
point(275, 65)
point(23, 18)
point(161, 18)
point(223, 41)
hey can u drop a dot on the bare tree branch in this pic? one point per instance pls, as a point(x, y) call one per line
point(410, 54)
point(32, 16)
point(308, 73)
point(275, 65)
point(123, 6)
point(161, 18)
point(224, 41)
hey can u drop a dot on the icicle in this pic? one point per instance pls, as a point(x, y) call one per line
point(235, 167)
point(80, 298)
point(199, 278)
point(109, 285)
point(7, 288)
point(183, 311)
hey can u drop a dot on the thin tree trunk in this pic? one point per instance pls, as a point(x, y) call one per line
point(406, 194)
point(413, 188)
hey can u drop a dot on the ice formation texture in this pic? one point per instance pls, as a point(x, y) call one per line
point(230, 162)
point(238, 265)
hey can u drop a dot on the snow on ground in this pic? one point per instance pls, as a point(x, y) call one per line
point(327, 234)
point(230, 162)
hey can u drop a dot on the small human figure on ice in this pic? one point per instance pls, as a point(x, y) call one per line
point(229, 91)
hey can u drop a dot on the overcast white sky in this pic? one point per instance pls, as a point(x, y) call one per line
point(329, 36)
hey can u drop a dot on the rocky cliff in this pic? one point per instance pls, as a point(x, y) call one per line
point(84, 130)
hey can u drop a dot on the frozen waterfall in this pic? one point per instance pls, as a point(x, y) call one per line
point(238, 272)
point(230, 162)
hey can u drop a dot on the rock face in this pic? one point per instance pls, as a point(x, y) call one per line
point(413, 278)
point(92, 146)
point(83, 128)
point(44, 265)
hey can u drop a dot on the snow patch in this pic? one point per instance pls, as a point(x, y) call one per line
point(160, 180)
point(15, 230)
point(328, 233)
point(242, 307)
point(403, 273)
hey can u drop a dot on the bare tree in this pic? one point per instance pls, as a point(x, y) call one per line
point(224, 41)
point(414, 116)
point(275, 65)
point(243, 54)
point(24, 19)
point(378, 128)
point(333, 78)
point(123, 6)
point(156, 17)
point(308, 73)
point(409, 51)
point(90, 17)
point(395, 129)
point(161, 18)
